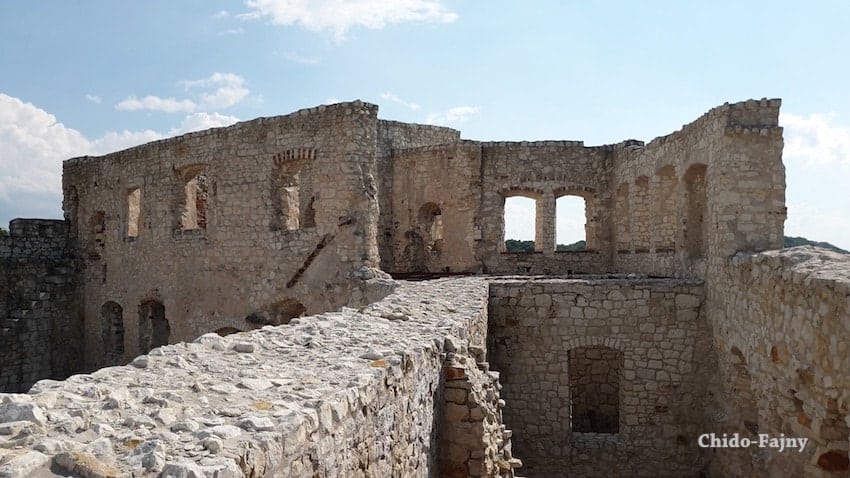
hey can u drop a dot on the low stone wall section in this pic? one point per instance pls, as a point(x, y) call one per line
point(39, 328)
point(342, 394)
point(782, 327)
point(657, 331)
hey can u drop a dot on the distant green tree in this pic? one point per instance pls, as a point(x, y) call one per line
point(576, 246)
point(802, 241)
point(3, 232)
point(513, 245)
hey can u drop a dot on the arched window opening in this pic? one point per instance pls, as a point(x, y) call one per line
point(520, 224)
point(134, 211)
point(112, 332)
point(570, 223)
point(195, 198)
point(622, 218)
point(641, 219)
point(431, 229)
point(695, 199)
point(665, 222)
point(594, 374)
point(154, 329)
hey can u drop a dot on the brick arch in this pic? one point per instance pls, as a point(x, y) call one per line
point(533, 193)
point(586, 192)
point(595, 341)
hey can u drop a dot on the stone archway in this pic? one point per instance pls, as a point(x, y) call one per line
point(154, 329)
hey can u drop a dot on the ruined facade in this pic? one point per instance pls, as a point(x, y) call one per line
point(680, 318)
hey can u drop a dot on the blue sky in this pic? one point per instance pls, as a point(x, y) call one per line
point(97, 76)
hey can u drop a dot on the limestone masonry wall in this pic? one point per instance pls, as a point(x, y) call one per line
point(226, 229)
point(40, 334)
point(782, 329)
point(679, 319)
point(342, 394)
point(602, 376)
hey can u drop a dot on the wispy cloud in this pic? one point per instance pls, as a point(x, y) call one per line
point(34, 144)
point(232, 31)
point(395, 99)
point(229, 90)
point(221, 14)
point(815, 140)
point(458, 114)
point(155, 103)
point(339, 16)
point(296, 58)
point(218, 91)
point(94, 98)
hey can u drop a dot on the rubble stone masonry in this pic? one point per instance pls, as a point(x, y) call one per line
point(225, 292)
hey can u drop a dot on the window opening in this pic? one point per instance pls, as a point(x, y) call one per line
point(570, 223)
point(594, 389)
point(520, 224)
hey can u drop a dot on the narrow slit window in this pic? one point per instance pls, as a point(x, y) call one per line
point(196, 197)
point(134, 200)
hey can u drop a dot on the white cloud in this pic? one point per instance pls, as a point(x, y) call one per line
point(33, 145)
point(155, 103)
point(94, 98)
point(296, 58)
point(229, 90)
point(395, 99)
point(221, 14)
point(202, 121)
point(339, 16)
point(223, 90)
point(113, 141)
point(458, 114)
point(817, 160)
point(232, 31)
point(814, 140)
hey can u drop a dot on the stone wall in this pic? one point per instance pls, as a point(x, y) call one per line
point(435, 208)
point(226, 229)
point(781, 322)
point(701, 194)
point(545, 171)
point(394, 136)
point(648, 347)
point(40, 330)
point(342, 394)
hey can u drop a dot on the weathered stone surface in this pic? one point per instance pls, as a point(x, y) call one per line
point(256, 225)
point(266, 411)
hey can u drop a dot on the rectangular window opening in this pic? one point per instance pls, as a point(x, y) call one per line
point(134, 199)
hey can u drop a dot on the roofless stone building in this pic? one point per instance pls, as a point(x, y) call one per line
point(241, 274)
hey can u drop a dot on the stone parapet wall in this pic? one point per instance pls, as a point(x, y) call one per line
point(781, 323)
point(559, 263)
point(35, 239)
point(655, 327)
point(342, 394)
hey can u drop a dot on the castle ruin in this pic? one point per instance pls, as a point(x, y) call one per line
point(227, 292)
